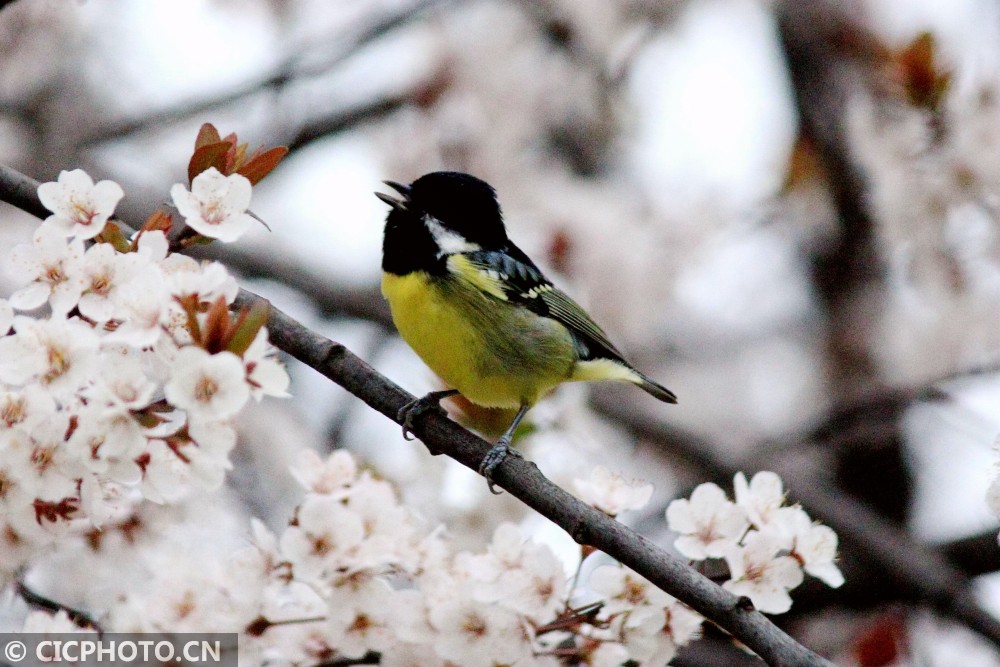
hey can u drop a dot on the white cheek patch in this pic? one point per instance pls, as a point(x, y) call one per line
point(448, 242)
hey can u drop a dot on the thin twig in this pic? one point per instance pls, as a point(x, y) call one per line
point(283, 75)
point(80, 618)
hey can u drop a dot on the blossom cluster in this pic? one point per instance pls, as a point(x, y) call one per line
point(121, 368)
point(765, 544)
point(122, 372)
point(354, 571)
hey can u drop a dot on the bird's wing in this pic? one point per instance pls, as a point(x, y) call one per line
point(511, 276)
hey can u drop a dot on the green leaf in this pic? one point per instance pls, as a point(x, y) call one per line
point(112, 234)
point(249, 325)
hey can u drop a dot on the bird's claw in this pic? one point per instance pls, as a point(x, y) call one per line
point(414, 409)
point(497, 455)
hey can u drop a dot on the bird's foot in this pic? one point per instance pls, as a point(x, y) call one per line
point(497, 455)
point(419, 406)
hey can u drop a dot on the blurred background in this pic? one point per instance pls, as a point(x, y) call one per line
point(787, 212)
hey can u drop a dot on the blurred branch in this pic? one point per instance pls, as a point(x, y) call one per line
point(21, 191)
point(332, 299)
point(976, 554)
point(352, 116)
point(79, 618)
point(286, 73)
point(523, 480)
point(824, 81)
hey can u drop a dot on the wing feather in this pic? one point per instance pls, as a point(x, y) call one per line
point(511, 276)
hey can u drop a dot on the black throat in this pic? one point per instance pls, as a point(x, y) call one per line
point(408, 246)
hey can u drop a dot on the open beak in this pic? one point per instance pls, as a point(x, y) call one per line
point(399, 204)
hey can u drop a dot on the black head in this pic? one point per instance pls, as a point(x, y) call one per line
point(460, 203)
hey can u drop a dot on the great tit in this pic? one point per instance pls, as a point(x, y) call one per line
point(479, 312)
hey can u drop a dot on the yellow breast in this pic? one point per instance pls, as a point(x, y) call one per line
point(494, 353)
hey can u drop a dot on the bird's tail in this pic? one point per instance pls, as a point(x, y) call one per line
point(655, 389)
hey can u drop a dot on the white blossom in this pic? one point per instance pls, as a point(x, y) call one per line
point(105, 273)
point(815, 547)
point(474, 634)
point(6, 316)
point(207, 385)
point(59, 354)
point(623, 589)
point(142, 304)
point(611, 493)
point(324, 539)
point(335, 475)
point(709, 523)
point(216, 206)
point(361, 623)
point(124, 383)
point(523, 576)
point(265, 374)
point(758, 572)
point(25, 408)
point(761, 498)
point(50, 268)
point(80, 208)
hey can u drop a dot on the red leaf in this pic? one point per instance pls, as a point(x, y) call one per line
point(262, 164)
point(923, 79)
point(216, 326)
point(882, 642)
point(207, 135)
point(210, 155)
point(159, 221)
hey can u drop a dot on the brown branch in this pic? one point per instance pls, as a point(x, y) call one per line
point(370, 658)
point(333, 300)
point(824, 81)
point(523, 480)
point(976, 554)
point(352, 116)
point(912, 569)
point(80, 618)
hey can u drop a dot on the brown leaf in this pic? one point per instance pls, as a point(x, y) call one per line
point(262, 164)
point(207, 135)
point(159, 221)
point(216, 326)
point(923, 80)
point(210, 155)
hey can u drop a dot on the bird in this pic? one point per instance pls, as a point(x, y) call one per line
point(479, 312)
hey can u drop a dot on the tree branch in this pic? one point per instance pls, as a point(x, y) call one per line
point(523, 480)
point(331, 299)
point(519, 477)
point(80, 618)
point(915, 571)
